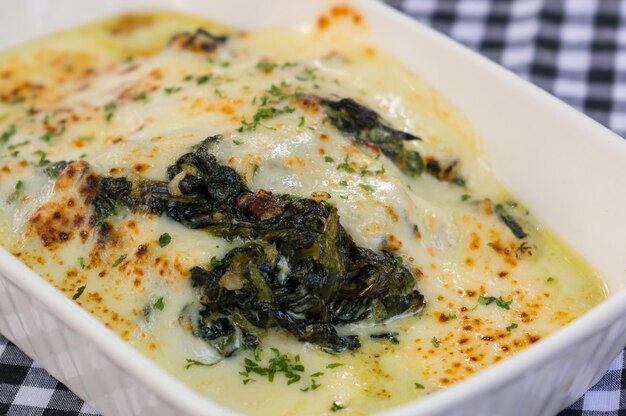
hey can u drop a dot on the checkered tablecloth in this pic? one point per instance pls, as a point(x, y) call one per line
point(574, 49)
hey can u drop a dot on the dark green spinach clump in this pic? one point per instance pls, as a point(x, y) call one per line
point(297, 269)
point(368, 128)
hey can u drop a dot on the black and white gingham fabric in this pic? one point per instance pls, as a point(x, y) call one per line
point(26, 389)
point(574, 49)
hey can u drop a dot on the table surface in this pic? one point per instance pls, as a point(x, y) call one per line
point(574, 49)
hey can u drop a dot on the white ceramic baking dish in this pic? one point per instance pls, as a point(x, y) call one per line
point(567, 169)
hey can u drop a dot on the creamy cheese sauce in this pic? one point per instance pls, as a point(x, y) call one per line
point(114, 95)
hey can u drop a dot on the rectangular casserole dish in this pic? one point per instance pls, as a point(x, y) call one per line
point(567, 169)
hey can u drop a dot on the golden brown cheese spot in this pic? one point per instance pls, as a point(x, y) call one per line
point(59, 219)
point(339, 12)
point(392, 243)
point(129, 23)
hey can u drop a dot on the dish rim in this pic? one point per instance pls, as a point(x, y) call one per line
point(184, 397)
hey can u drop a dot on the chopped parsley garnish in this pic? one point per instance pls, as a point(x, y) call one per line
point(343, 183)
point(329, 159)
point(365, 187)
point(419, 386)
point(81, 262)
point(280, 363)
point(237, 142)
point(266, 65)
point(19, 185)
point(16, 145)
point(452, 315)
point(191, 363)
point(334, 365)
point(550, 279)
point(487, 300)
point(204, 79)
point(307, 74)
point(494, 246)
point(42, 158)
point(511, 327)
point(79, 292)
point(345, 165)
point(465, 197)
point(6, 136)
point(159, 304)
point(119, 260)
point(262, 114)
point(172, 90)
point(165, 239)
point(109, 110)
point(301, 123)
point(336, 407)
point(218, 93)
point(50, 134)
point(435, 342)
point(139, 96)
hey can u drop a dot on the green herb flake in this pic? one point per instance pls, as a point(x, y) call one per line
point(365, 187)
point(192, 363)
point(346, 165)
point(419, 386)
point(237, 142)
point(172, 90)
point(329, 159)
point(334, 365)
point(336, 407)
point(550, 279)
point(79, 292)
point(452, 315)
point(301, 123)
point(262, 114)
point(16, 145)
point(465, 197)
point(511, 327)
point(343, 183)
point(81, 262)
point(109, 110)
point(204, 79)
point(494, 246)
point(165, 239)
point(266, 66)
point(119, 260)
point(159, 304)
point(52, 133)
point(307, 74)
point(6, 136)
point(218, 93)
point(19, 185)
point(435, 342)
point(487, 300)
point(42, 158)
point(139, 96)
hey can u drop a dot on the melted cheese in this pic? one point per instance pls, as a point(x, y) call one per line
point(169, 99)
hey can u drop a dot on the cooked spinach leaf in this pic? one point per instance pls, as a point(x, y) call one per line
point(297, 267)
point(510, 222)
